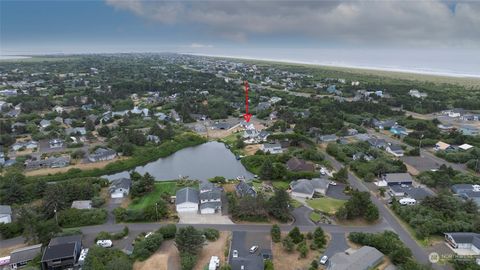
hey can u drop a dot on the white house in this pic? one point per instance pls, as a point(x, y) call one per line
point(463, 241)
point(5, 214)
point(120, 188)
point(465, 147)
point(58, 109)
point(395, 150)
point(272, 148)
point(186, 200)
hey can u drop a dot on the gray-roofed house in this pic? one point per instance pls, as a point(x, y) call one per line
point(272, 148)
point(22, 256)
point(302, 188)
point(328, 138)
point(62, 252)
point(243, 189)
point(299, 165)
point(398, 179)
point(210, 199)
point(186, 200)
point(102, 154)
point(395, 150)
point(153, 138)
point(377, 143)
point(320, 185)
point(364, 258)
point(5, 214)
point(120, 187)
point(53, 162)
point(416, 193)
point(56, 143)
point(82, 204)
point(76, 130)
point(467, 192)
point(463, 240)
point(45, 123)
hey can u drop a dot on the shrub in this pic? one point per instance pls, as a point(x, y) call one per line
point(187, 261)
point(146, 247)
point(288, 244)
point(73, 217)
point(10, 230)
point(296, 235)
point(276, 233)
point(211, 234)
point(168, 231)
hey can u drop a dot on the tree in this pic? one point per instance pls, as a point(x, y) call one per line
point(189, 240)
point(296, 235)
point(371, 213)
point(89, 125)
point(187, 260)
point(268, 265)
point(302, 248)
point(278, 205)
point(266, 171)
point(104, 131)
point(319, 238)
point(276, 233)
point(341, 175)
point(288, 244)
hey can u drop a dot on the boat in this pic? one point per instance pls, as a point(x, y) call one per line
point(241, 178)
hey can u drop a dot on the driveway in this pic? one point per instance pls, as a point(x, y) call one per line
point(336, 192)
point(195, 218)
point(302, 216)
point(110, 205)
point(338, 243)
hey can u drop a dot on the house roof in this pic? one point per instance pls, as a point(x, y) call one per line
point(244, 189)
point(76, 238)
point(331, 137)
point(302, 186)
point(271, 145)
point(465, 146)
point(398, 177)
point(460, 188)
point(395, 147)
point(465, 238)
point(442, 146)
point(102, 152)
point(124, 183)
point(377, 142)
point(412, 192)
point(320, 183)
point(206, 185)
point(64, 250)
point(362, 259)
point(214, 205)
point(296, 164)
point(187, 194)
point(5, 210)
point(86, 204)
point(213, 194)
point(25, 254)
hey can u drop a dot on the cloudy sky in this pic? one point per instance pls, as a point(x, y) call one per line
point(441, 36)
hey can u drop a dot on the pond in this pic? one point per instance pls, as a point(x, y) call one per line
point(199, 162)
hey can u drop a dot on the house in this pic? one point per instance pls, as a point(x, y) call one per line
point(120, 187)
point(386, 124)
point(102, 154)
point(320, 185)
point(272, 148)
point(465, 147)
point(45, 123)
point(62, 252)
point(352, 132)
point(22, 256)
point(302, 188)
point(76, 130)
point(263, 135)
point(2, 157)
point(446, 128)
point(454, 113)
point(377, 143)
point(58, 109)
point(328, 138)
point(85, 204)
point(222, 125)
point(243, 189)
point(56, 143)
point(398, 179)
point(250, 134)
point(331, 89)
point(210, 198)
point(362, 137)
point(395, 150)
point(262, 106)
point(364, 258)
point(186, 200)
point(5, 214)
point(463, 241)
point(31, 145)
point(400, 191)
point(467, 192)
point(442, 146)
point(153, 138)
point(52, 162)
point(469, 130)
point(299, 165)
point(359, 156)
point(417, 94)
point(240, 257)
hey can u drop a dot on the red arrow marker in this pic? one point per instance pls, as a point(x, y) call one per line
point(247, 116)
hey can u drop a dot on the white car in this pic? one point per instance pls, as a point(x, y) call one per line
point(235, 253)
point(253, 249)
point(324, 260)
point(105, 243)
point(148, 234)
point(333, 183)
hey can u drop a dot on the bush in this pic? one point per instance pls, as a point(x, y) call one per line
point(296, 235)
point(73, 217)
point(276, 233)
point(288, 244)
point(106, 258)
point(268, 265)
point(146, 247)
point(168, 231)
point(97, 201)
point(115, 236)
point(302, 248)
point(187, 261)
point(211, 234)
point(10, 230)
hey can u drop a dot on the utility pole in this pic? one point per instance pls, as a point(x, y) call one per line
point(56, 216)
point(420, 146)
point(156, 210)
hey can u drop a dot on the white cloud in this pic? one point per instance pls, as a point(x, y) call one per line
point(354, 22)
point(198, 46)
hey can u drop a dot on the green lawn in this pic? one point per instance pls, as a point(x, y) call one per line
point(325, 204)
point(315, 217)
point(160, 187)
point(295, 203)
point(281, 184)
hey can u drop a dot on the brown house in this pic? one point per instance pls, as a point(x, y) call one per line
point(300, 165)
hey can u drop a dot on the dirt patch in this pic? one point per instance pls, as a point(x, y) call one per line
point(229, 187)
point(166, 258)
point(82, 166)
point(216, 248)
point(7, 251)
point(412, 170)
point(283, 260)
point(251, 149)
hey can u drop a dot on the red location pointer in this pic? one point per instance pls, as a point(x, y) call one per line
point(247, 116)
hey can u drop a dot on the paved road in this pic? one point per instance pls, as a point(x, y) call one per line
point(338, 243)
point(419, 253)
point(302, 216)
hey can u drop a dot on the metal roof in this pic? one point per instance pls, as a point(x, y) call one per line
point(25, 254)
point(187, 194)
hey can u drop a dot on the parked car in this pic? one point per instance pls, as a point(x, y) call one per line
point(235, 253)
point(324, 260)
point(105, 243)
point(333, 183)
point(253, 249)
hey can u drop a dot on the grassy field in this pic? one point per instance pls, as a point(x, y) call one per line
point(326, 205)
point(315, 217)
point(160, 188)
point(281, 184)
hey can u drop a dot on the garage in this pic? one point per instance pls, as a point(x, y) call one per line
point(186, 200)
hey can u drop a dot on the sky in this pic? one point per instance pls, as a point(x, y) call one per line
point(425, 36)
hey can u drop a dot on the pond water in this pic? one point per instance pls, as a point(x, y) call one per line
point(199, 162)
